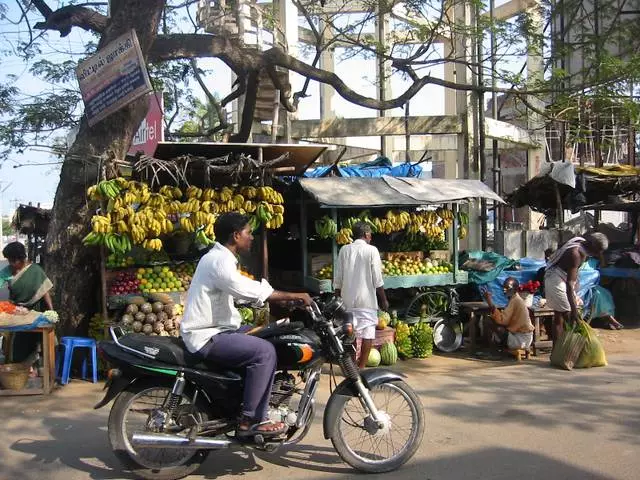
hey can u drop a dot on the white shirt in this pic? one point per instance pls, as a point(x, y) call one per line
point(358, 274)
point(209, 308)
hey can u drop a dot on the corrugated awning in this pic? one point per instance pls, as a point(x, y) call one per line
point(301, 156)
point(359, 192)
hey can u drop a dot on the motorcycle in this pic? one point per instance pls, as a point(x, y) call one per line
point(171, 408)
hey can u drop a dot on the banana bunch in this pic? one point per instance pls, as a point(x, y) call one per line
point(201, 237)
point(225, 195)
point(114, 242)
point(250, 206)
point(154, 244)
point(344, 236)
point(276, 221)
point(264, 212)
point(192, 206)
point(171, 192)
point(201, 218)
point(462, 232)
point(269, 195)
point(326, 227)
point(254, 223)
point(463, 218)
point(208, 194)
point(101, 224)
point(107, 189)
point(249, 192)
point(187, 225)
point(194, 192)
point(138, 234)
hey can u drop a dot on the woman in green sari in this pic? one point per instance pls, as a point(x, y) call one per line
point(29, 287)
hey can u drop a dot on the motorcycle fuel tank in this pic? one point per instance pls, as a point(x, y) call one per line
point(296, 350)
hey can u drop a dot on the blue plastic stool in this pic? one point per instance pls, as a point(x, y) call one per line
point(69, 343)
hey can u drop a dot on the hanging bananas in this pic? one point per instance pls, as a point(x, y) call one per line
point(326, 227)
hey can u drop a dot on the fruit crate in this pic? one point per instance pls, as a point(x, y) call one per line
point(391, 256)
point(440, 255)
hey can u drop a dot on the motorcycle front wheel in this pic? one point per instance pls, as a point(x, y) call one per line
point(130, 414)
point(373, 450)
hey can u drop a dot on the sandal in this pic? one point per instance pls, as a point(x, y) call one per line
point(256, 430)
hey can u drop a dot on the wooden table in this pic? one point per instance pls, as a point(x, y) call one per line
point(536, 314)
point(49, 363)
point(475, 310)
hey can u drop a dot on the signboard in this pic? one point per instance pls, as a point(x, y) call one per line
point(113, 77)
point(151, 129)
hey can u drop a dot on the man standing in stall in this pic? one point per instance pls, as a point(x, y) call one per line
point(358, 280)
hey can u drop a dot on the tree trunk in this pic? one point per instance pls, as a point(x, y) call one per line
point(72, 267)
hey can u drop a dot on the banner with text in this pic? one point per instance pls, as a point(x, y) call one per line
point(151, 130)
point(113, 77)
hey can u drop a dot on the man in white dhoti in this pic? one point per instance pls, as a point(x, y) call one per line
point(358, 279)
point(561, 275)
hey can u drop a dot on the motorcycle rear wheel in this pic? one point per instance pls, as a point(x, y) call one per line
point(147, 463)
point(378, 453)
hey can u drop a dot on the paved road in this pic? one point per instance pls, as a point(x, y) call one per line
point(510, 422)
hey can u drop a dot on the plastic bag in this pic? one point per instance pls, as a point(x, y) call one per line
point(592, 354)
point(567, 349)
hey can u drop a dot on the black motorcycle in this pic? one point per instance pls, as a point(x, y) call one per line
point(171, 408)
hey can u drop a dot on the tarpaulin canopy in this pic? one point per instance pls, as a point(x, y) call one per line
point(378, 168)
point(359, 192)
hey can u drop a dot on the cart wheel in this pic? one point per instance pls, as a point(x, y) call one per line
point(437, 304)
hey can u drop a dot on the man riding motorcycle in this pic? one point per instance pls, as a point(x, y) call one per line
point(211, 328)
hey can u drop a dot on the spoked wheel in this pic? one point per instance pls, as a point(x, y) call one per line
point(436, 304)
point(366, 448)
point(135, 411)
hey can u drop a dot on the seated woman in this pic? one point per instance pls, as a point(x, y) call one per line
point(29, 287)
point(603, 309)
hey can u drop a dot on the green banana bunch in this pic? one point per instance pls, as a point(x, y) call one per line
point(263, 212)
point(326, 227)
point(463, 218)
point(254, 223)
point(202, 238)
point(108, 189)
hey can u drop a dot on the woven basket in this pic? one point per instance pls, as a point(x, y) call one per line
point(14, 376)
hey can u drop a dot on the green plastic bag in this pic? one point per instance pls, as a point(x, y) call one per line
point(592, 354)
point(568, 348)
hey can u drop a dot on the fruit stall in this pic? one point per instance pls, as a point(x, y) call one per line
point(419, 217)
point(152, 227)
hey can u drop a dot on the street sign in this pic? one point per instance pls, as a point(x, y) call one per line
point(113, 77)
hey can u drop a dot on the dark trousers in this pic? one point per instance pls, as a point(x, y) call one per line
point(257, 357)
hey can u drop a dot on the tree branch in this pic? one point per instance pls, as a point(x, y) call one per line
point(65, 18)
point(222, 118)
point(248, 109)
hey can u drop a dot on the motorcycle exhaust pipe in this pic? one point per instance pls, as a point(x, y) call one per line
point(163, 440)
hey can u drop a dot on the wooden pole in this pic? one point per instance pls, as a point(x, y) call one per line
point(103, 284)
point(263, 234)
point(334, 246)
point(303, 237)
point(560, 211)
point(454, 240)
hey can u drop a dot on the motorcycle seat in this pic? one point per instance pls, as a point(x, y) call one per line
point(171, 350)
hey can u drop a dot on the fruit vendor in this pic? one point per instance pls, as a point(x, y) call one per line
point(561, 276)
point(358, 280)
point(29, 287)
point(211, 324)
point(512, 326)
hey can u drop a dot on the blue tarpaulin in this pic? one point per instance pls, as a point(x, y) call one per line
point(588, 277)
point(380, 167)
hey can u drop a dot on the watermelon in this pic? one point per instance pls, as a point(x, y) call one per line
point(388, 354)
point(374, 358)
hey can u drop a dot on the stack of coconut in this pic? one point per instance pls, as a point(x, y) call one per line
point(158, 315)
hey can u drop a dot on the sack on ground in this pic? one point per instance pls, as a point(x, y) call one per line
point(592, 354)
point(567, 349)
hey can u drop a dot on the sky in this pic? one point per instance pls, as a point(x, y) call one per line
point(33, 176)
